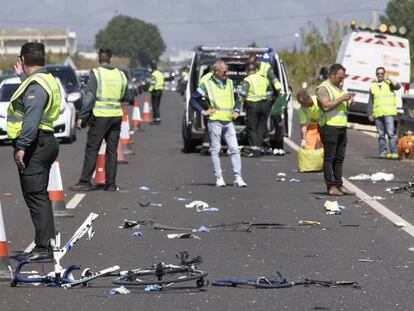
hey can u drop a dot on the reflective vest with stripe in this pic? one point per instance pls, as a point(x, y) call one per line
point(15, 111)
point(110, 89)
point(311, 115)
point(338, 115)
point(157, 80)
point(384, 102)
point(258, 88)
point(222, 100)
point(204, 78)
point(263, 69)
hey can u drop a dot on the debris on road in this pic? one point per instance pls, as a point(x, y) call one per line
point(294, 180)
point(370, 199)
point(281, 174)
point(409, 188)
point(146, 204)
point(206, 209)
point(183, 236)
point(399, 224)
point(156, 204)
point(137, 234)
point(120, 291)
point(365, 260)
point(379, 176)
point(332, 208)
point(203, 229)
point(197, 204)
point(144, 188)
point(411, 249)
point(179, 199)
point(152, 288)
point(309, 223)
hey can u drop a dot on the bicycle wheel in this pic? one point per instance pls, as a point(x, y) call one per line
point(155, 277)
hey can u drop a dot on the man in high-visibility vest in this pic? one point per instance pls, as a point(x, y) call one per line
point(224, 107)
point(33, 108)
point(309, 117)
point(255, 93)
point(156, 88)
point(382, 107)
point(334, 103)
point(105, 92)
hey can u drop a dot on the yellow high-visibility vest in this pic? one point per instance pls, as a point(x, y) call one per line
point(258, 88)
point(384, 101)
point(339, 115)
point(222, 100)
point(158, 81)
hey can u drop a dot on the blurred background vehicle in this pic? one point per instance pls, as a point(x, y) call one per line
point(83, 76)
point(64, 126)
point(138, 80)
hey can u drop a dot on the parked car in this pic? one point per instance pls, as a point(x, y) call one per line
point(236, 58)
point(70, 81)
point(64, 125)
point(138, 80)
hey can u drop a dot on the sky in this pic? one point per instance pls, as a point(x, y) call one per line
point(187, 23)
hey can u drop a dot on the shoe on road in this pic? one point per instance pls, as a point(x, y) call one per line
point(81, 186)
point(41, 254)
point(239, 182)
point(334, 191)
point(111, 187)
point(220, 182)
point(345, 191)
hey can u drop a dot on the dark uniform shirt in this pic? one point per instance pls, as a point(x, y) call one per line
point(34, 101)
point(90, 95)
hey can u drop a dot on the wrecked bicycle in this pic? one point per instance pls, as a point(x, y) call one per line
point(61, 277)
point(164, 275)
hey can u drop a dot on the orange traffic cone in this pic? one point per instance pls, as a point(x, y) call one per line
point(136, 116)
point(120, 152)
point(146, 114)
point(124, 136)
point(99, 174)
point(5, 269)
point(55, 189)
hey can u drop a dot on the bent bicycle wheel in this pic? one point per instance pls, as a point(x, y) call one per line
point(153, 277)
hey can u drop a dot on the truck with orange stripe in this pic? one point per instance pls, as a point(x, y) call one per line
point(362, 51)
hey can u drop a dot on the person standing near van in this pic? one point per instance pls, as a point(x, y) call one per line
point(382, 107)
point(334, 102)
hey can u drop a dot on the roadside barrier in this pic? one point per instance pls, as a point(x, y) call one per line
point(55, 189)
point(5, 269)
point(125, 138)
point(136, 116)
point(146, 114)
point(99, 174)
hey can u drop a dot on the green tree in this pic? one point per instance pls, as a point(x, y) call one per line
point(131, 37)
point(400, 13)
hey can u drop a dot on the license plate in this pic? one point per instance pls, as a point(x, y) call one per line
point(361, 97)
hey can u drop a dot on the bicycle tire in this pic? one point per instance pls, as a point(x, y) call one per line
point(149, 277)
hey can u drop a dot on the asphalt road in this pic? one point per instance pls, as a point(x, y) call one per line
point(332, 251)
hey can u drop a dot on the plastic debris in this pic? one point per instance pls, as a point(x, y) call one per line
point(365, 260)
point(360, 177)
point(203, 229)
point(144, 188)
point(309, 223)
point(332, 208)
point(281, 179)
point(399, 224)
point(152, 288)
point(182, 236)
point(146, 204)
point(197, 204)
point(379, 176)
point(156, 204)
point(129, 224)
point(280, 174)
point(179, 199)
point(206, 209)
point(411, 249)
point(137, 234)
point(294, 180)
point(120, 291)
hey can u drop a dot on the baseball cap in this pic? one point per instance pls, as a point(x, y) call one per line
point(32, 48)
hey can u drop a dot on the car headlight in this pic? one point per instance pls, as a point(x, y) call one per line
point(73, 97)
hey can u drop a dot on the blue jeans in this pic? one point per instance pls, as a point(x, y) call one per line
point(385, 125)
point(217, 130)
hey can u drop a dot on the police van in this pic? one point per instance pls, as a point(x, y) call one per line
point(362, 51)
point(193, 125)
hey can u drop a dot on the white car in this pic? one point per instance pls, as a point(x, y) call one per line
point(64, 125)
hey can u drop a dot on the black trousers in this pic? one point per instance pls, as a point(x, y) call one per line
point(334, 142)
point(156, 102)
point(279, 132)
point(256, 118)
point(34, 180)
point(102, 128)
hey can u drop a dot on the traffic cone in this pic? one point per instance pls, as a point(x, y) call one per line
point(136, 116)
point(125, 138)
point(55, 189)
point(120, 152)
point(99, 174)
point(5, 269)
point(146, 114)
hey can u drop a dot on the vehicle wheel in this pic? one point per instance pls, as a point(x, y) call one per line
point(149, 277)
point(189, 145)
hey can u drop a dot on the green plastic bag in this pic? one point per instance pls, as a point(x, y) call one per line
point(279, 106)
point(310, 160)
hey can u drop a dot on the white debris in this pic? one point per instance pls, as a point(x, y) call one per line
point(197, 204)
point(379, 176)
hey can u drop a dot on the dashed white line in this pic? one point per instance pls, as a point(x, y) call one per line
point(77, 198)
point(384, 211)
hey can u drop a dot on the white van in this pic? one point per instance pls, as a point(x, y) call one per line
point(361, 52)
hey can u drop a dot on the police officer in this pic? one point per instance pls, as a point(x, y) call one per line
point(334, 103)
point(224, 107)
point(30, 115)
point(156, 88)
point(382, 107)
point(255, 94)
point(106, 90)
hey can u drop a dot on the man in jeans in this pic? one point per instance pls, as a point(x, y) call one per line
point(382, 107)
point(224, 107)
point(334, 104)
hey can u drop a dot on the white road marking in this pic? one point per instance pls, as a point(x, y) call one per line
point(384, 211)
point(77, 198)
point(30, 247)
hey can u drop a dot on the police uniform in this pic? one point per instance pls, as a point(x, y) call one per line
point(156, 88)
point(255, 92)
point(106, 90)
point(33, 108)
